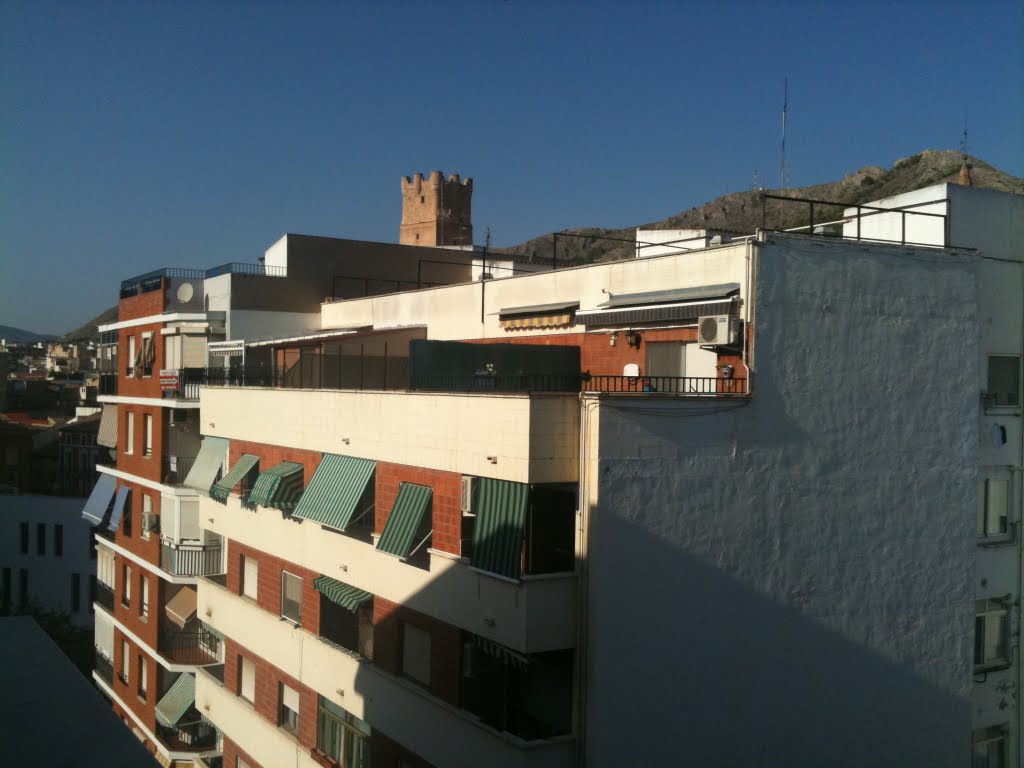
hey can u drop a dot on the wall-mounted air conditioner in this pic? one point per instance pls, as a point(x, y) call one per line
point(719, 330)
point(468, 496)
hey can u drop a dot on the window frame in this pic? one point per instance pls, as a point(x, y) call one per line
point(76, 592)
point(41, 539)
point(126, 581)
point(247, 682)
point(129, 433)
point(287, 717)
point(984, 738)
point(422, 641)
point(346, 740)
point(143, 597)
point(147, 435)
point(984, 611)
point(297, 620)
point(250, 583)
point(993, 398)
point(986, 533)
point(125, 661)
point(58, 540)
point(23, 538)
point(143, 678)
point(130, 368)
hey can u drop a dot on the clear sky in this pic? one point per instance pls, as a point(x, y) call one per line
point(136, 135)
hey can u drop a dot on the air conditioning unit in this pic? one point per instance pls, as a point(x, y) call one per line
point(720, 330)
point(468, 494)
point(150, 522)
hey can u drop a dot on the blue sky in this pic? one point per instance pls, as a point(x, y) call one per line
point(144, 134)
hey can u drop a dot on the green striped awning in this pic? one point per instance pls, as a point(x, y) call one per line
point(340, 593)
point(223, 487)
point(500, 652)
point(335, 490)
point(177, 701)
point(500, 521)
point(278, 487)
point(398, 536)
point(216, 633)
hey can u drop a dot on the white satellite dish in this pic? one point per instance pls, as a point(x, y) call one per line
point(185, 292)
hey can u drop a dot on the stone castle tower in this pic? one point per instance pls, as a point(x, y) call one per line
point(437, 211)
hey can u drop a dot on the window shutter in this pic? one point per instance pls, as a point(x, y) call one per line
point(250, 575)
point(248, 680)
point(290, 698)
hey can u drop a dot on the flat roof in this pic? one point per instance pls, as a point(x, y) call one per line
point(52, 714)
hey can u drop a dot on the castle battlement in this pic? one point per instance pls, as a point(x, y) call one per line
point(437, 210)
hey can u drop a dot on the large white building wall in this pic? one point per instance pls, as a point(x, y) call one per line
point(49, 574)
point(789, 581)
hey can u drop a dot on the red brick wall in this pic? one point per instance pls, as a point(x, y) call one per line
point(129, 694)
point(232, 752)
point(271, 455)
point(446, 501)
point(144, 629)
point(144, 305)
point(445, 646)
point(136, 463)
point(600, 358)
point(139, 385)
point(268, 588)
point(268, 679)
point(148, 549)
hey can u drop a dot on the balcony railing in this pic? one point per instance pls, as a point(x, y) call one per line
point(105, 596)
point(673, 385)
point(104, 668)
point(330, 377)
point(188, 737)
point(191, 559)
point(174, 469)
point(187, 647)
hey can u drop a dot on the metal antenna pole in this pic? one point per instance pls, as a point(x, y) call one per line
point(785, 107)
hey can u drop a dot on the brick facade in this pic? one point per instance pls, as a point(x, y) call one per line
point(142, 305)
point(139, 385)
point(445, 503)
point(268, 589)
point(271, 455)
point(231, 752)
point(144, 709)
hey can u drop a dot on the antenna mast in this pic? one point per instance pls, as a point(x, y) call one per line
point(785, 107)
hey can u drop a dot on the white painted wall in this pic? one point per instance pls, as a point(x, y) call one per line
point(49, 576)
point(789, 581)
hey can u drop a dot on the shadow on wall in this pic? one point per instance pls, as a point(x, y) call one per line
point(690, 667)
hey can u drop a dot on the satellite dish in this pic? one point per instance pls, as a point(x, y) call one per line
point(185, 293)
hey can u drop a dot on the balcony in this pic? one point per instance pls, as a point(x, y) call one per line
point(403, 710)
point(174, 470)
point(195, 736)
point(523, 437)
point(104, 667)
point(105, 597)
point(533, 615)
point(197, 647)
point(191, 559)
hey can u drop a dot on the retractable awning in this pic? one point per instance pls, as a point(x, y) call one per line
point(340, 593)
point(500, 522)
point(537, 315)
point(107, 436)
point(399, 534)
point(181, 608)
point(279, 487)
point(335, 490)
point(501, 653)
point(119, 504)
point(96, 506)
point(180, 697)
point(677, 304)
point(208, 464)
point(220, 490)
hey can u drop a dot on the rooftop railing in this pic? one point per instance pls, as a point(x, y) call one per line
point(152, 281)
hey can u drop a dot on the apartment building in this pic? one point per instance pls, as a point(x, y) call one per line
point(717, 506)
point(144, 506)
point(46, 557)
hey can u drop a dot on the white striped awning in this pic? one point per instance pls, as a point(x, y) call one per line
point(107, 435)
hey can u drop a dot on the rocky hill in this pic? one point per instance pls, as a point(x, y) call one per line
point(741, 212)
point(88, 332)
point(21, 336)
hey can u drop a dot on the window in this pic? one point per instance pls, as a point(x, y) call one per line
point(23, 596)
point(990, 633)
point(76, 592)
point(247, 679)
point(990, 747)
point(288, 711)
point(147, 515)
point(124, 662)
point(147, 435)
point(342, 736)
point(250, 576)
point(58, 540)
point(40, 538)
point(415, 653)
point(126, 519)
point(994, 508)
point(5, 599)
point(142, 677)
point(144, 596)
point(126, 580)
point(23, 536)
point(92, 592)
point(291, 597)
point(129, 436)
point(1004, 379)
point(240, 763)
point(130, 371)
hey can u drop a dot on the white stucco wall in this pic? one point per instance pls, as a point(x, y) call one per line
point(49, 575)
point(789, 582)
